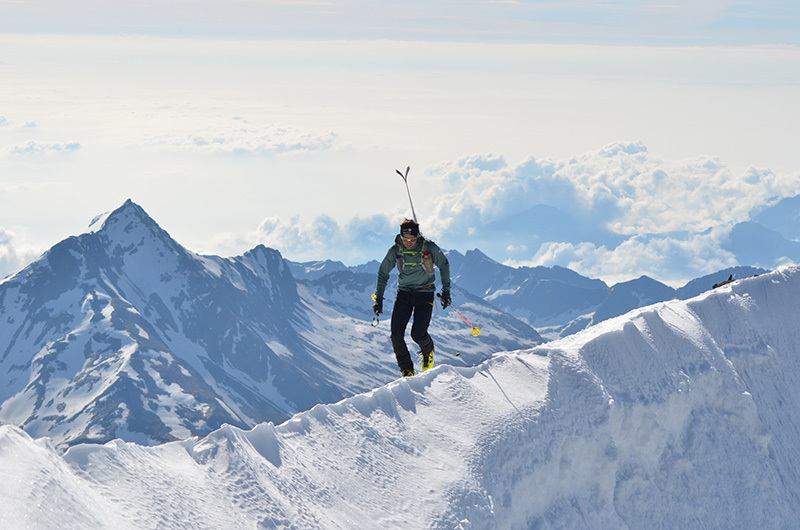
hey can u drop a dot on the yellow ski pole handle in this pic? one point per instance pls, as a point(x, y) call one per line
point(375, 319)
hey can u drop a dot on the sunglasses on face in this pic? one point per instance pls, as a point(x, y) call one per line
point(409, 239)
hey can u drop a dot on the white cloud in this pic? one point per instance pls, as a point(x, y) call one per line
point(293, 236)
point(621, 186)
point(15, 252)
point(37, 148)
point(217, 135)
point(359, 240)
point(669, 259)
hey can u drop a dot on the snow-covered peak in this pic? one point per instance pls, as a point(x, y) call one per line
point(476, 256)
point(130, 226)
point(129, 211)
point(265, 259)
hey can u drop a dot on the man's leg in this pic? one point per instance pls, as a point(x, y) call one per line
point(423, 309)
point(401, 314)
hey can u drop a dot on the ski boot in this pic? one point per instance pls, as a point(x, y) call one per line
point(427, 361)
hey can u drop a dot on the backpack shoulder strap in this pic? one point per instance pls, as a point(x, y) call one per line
point(427, 259)
point(399, 258)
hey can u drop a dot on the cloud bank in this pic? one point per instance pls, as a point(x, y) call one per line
point(615, 213)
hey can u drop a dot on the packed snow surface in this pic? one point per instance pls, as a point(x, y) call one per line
point(683, 414)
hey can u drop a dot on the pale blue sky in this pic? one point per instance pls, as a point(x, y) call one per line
point(243, 122)
point(671, 22)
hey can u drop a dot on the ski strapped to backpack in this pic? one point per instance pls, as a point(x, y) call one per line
point(405, 179)
point(427, 259)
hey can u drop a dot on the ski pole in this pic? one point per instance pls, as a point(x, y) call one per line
point(405, 179)
point(375, 319)
point(475, 330)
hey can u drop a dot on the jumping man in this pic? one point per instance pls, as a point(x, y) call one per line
point(415, 258)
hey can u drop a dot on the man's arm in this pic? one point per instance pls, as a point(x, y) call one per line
point(441, 261)
point(385, 268)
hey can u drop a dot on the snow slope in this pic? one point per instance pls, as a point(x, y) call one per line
point(679, 415)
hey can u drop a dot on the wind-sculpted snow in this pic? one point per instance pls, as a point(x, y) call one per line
point(354, 464)
point(679, 415)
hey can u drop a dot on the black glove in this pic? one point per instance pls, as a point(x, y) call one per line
point(446, 301)
point(378, 306)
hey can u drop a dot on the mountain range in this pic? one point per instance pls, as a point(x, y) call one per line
point(556, 301)
point(121, 332)
point(559, 302)
point(681, 414)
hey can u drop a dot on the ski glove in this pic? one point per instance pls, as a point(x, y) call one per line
point(378, 306)
point(446, 301)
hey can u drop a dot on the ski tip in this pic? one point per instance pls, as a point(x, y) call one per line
point(404, 176)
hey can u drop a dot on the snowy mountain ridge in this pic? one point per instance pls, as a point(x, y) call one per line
point(681, 414)
point(558, 301)
point(123, 333)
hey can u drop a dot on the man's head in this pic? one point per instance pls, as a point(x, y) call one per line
point(409, 232)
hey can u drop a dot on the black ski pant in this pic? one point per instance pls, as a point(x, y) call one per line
point(420, 304)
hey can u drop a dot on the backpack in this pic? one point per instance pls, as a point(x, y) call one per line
point(427, 259)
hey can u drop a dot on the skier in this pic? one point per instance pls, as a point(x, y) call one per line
point(414, 257)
